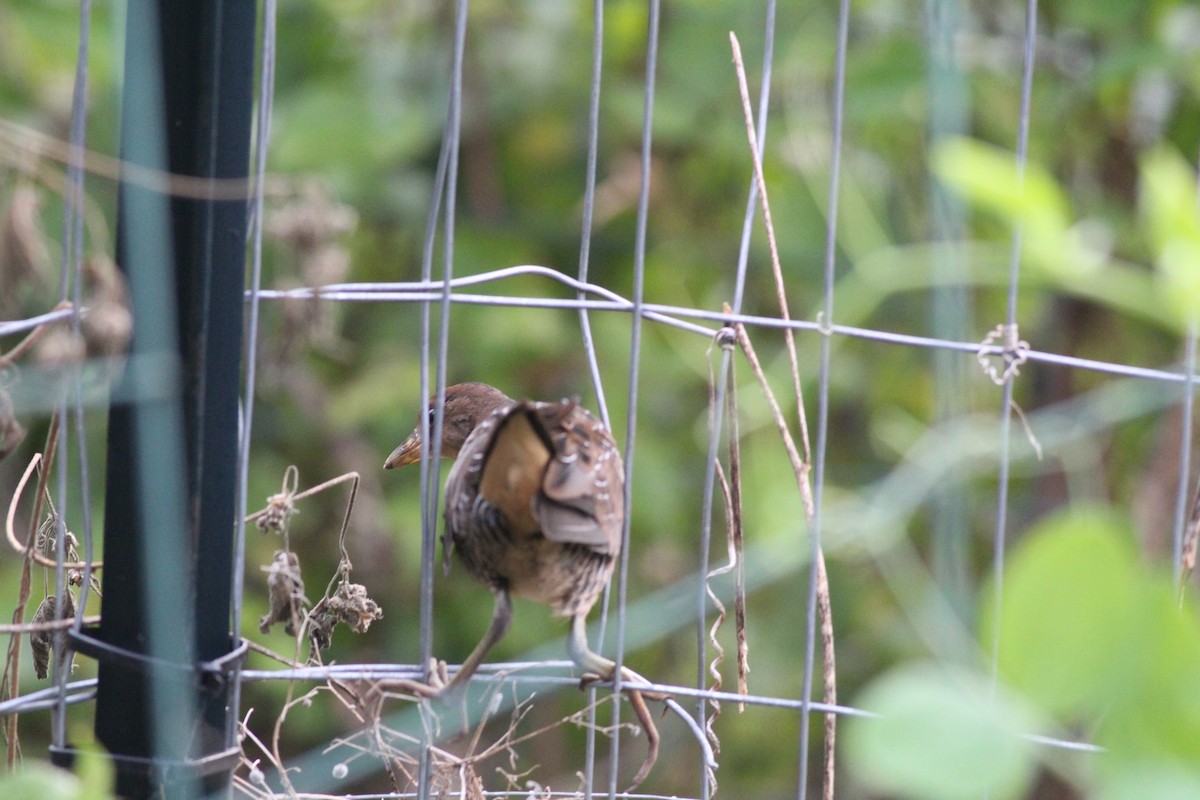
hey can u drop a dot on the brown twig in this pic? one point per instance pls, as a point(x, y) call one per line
point(776, 268)
point(824, 605)
point(43, 627)
point(18, 138)
point(737, 533)
point(824, 608)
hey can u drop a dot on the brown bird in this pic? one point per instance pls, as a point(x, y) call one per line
point(535, 507)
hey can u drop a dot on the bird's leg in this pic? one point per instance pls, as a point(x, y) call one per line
point(598, 668)
point(437, 686)
point(595, 666)
point(501, 619)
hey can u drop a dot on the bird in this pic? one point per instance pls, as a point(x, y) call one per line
point(534, 508)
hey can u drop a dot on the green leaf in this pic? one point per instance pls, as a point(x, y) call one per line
point(1154, 713)
point(1151, 781)
point(96, 773)
point(988, 178)
point(1068, 612)
point(1169, 207)
point(40, 781)
point(942, 733)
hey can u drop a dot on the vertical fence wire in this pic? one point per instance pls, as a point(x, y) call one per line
point(589, 204)
point(1185, 453)
point(71, 281)
point(635, 350)
point(448, 167)
point(585, 326)
point(831, 231)
point(1014, 275)
point(266, 97)
point(717, 412)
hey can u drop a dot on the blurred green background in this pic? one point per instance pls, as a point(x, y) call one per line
point(924, 227)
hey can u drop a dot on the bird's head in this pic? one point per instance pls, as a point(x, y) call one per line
point(467, 404)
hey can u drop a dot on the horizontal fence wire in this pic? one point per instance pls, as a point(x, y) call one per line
point(679, 317)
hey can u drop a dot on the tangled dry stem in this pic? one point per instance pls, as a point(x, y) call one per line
point(800, 466)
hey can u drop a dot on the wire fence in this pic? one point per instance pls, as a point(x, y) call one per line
point(1001, 355)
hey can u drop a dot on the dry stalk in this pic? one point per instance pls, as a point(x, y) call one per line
point(45, 627)
point(735, 540)
point(20, 139)
point(255, 784)
point(11, 679)
point(342, 602)
point(824, 606)
point(776, 269)
point(824, 609)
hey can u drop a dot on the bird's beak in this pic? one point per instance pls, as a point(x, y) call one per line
point(409, 452)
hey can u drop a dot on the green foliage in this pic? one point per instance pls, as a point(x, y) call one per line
point(941, 734)
point(40, 781)
point(1036, 204)
point(1034, 201)
point(92, 780)
point(1069, 595)
point(1090, 639)
point(1169, 207)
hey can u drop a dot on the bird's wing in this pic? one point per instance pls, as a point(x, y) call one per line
point(546, 467)
point(463, 483)
point(582, 497)
point(511, 464)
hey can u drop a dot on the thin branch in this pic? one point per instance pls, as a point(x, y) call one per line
point(776, 269)
point(824, 603)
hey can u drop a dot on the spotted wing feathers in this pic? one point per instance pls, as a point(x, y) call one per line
point(553, 468)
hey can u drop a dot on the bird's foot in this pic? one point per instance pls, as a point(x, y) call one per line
point(438, 676)
point(630, 681)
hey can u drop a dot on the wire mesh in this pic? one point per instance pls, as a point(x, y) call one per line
point(893, 497)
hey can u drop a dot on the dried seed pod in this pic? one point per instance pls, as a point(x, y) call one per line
point(309, 219)
point(280, 510)
point(320, 629)
point(108, 323)
point(349, 605)
point(42, 642)
point(60, 348)
point(286, 593)
point(44, 541)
